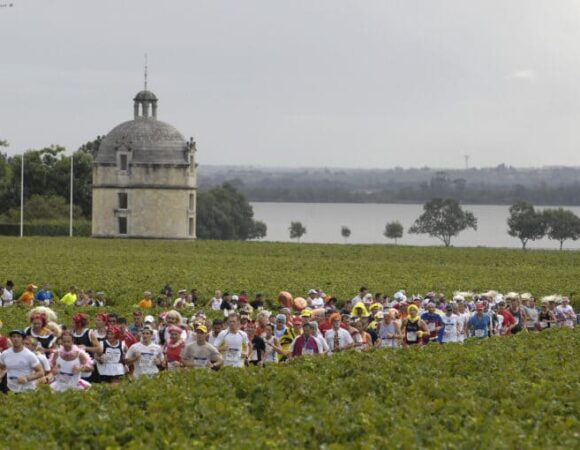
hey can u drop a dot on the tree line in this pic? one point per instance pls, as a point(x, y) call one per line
point(444, 219)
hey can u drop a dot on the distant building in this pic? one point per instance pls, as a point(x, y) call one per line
point(144, 178)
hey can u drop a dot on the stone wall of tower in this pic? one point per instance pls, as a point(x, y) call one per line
point(156, 201)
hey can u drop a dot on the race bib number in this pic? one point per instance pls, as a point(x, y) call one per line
point(479, 333)
point(517, 319)
point(233, 354)
point(411, 336)
point(200, 362)
point(431, 326)
point(146, 359)
point(308, 351)
point(543, 325)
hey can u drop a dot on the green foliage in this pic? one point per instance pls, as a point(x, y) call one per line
point(297, 230)
point(393, 230)
point(43, 208)
point(46, 172)
point(443, 219)
point(561, 224)
point(525, 223)
point(224, 213)
point(518, 392)
point(47, 228)
point(126, 268)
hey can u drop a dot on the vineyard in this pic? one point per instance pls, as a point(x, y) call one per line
point(519, 392)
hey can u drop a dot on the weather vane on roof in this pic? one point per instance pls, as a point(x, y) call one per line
point(145, 71)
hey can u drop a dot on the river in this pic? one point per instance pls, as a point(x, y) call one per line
point(323, 222)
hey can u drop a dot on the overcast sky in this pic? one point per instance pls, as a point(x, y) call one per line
point(303, 82)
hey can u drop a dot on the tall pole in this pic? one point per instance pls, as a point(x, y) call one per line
point(22, 196)
point(71, 195)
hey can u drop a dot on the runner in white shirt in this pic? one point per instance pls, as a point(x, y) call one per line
point(464, 316)
point(565, 311)
point(233, 343)
point(21, 365)
point(68, 363)
point(145, 355)
point(337, 338)
point(316, 334)
point(216, 328)
point(216, 302)
point(450, 325)
point(7, 298)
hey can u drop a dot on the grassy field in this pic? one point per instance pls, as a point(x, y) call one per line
point(504, 393)
point(519, 393)
point(125, 268)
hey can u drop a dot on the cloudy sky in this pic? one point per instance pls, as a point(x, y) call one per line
point(302, 82)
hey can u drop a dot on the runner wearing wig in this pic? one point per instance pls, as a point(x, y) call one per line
point(111, 356)
point(68, 363)
point(413, 327)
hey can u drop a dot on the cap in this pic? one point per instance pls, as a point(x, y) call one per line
point(297, 321)
point(281, 318)
point(147, 328)
point(449, 307)
point(20, 332)
point(312, 291)
point(235, 298)
point(182, 291)
point(201, 328)
point(149, 319)
point(306, 313)
point(30, 286)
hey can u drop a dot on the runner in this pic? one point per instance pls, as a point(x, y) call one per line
point(174, 344)
point(110, 357)
point(68, 363)
point(41, 332)
point(145, 355)
point(285, 336)
point(273, 348)
point(200, 354)
point(389, 332)
point(361, 338)
point(233, 343)
point(567, 313)
point(451, 326)
point(508, 322)
point(21, 365)
point(434, 323)
point(257, 344)
point(480, 323)
point(413, 327)
point(305, 344)
point(518, 314)
point(546, 318)
point(337, 338)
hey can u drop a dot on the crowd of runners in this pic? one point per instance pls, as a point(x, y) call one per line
point(243, 332)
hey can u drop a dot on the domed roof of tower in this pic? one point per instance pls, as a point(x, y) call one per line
point(145, 95)
point(149, 140)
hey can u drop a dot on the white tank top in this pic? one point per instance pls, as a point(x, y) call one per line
point(65, 378)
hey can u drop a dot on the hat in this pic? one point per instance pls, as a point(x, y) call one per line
point(281, 318)
point(312, 291)
point(20, 332)
point(306, 313)
point(175, 328)
point(147, 328)
point(149, 319)
point(449, 307)
point(182, 291)
point(30, 286)
point(235, 298)
point(147, 293)
point(297, 321)
point(380, 315)
point(201, 328)
point(376, 305)
point(100, 293)
point(479, 307)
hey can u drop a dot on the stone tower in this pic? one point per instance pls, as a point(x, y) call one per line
point(144, 178)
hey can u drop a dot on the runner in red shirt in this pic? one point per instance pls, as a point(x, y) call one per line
point(508, 320)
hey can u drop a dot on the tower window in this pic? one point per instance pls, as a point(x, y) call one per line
point(191, 202)
point(190, 228)
point(123, 200)
point(122, 225)
point(123, 162)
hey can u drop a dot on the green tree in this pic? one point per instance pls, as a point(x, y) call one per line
point(345, 232)
point(443, 219)
point(224, 213)
point(43, 208)
point(525, 223)
point(561, 224)
point(393, 230)
point(259, 230)
point(297, 230)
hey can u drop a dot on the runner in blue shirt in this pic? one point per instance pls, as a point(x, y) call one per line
point(480, 323)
